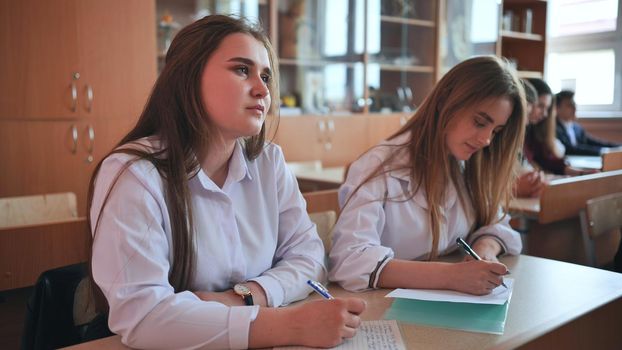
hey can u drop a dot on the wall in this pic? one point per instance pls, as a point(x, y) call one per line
point(606, 128)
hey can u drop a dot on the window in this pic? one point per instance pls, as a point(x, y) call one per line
point(585, 54)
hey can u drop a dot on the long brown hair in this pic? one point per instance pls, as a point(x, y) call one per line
point(544, 131)
point(488, 175)
point(176, 115)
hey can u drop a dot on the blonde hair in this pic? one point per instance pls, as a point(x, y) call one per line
point(488, 175)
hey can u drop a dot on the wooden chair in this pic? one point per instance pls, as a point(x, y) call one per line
point(323, 208)
point(322, 201)
point(38, 209)
point(324, 223)
point(38, 233)
point(602, 215)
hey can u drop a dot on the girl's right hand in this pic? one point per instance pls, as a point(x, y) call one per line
point(478, 277)
point(325, 323)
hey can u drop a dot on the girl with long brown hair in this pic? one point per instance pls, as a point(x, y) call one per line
point(541, 145)
point(444, 175)
point(199, 230)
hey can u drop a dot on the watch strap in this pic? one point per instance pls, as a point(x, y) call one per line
point(248, 299)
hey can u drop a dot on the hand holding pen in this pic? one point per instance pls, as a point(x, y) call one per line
point(467, 249)
point(329, 322)
point(320, 289)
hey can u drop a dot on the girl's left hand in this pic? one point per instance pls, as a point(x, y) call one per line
point(487, 248)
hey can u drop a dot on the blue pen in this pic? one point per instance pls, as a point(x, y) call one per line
point(318, 287)
point(467, 249)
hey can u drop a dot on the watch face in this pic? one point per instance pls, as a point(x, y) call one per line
point(241, 289)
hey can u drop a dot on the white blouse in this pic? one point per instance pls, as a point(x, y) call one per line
point(255, 228)
point(371, 228)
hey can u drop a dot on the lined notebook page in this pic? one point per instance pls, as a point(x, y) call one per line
point(371, 335)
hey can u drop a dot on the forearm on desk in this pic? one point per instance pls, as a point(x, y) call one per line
point(414, 274)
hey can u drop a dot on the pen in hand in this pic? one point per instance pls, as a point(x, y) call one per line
point(320, 289)
point(467, 249)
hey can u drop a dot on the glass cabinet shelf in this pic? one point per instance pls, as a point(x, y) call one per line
point(408, 21)
point(337, 56)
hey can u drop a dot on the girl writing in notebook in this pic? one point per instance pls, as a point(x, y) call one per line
point(199, 229)
point(444, 175)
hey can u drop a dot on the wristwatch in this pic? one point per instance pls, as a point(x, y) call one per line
point(244, 292)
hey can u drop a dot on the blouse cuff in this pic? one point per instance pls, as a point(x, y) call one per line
point(504, 248)
point(240, 318)
point(375, 275)
point(274, 292)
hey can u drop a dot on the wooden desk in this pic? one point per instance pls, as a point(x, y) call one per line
point(317, 179)
point(552, 221)
point(608, 161)
point(612, 160)
point(554, 305)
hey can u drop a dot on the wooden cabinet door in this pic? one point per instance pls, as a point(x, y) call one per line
point(346, 140)
point(38, 59)
point(301, 138)
point(117, 47)
point(381, 127)
point(105, 136)
point(96, 138)
point(41, 157)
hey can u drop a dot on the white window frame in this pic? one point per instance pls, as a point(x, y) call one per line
point(589, 42)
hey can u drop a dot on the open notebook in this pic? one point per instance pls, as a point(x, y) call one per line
point(371, 335)
point(454, 310)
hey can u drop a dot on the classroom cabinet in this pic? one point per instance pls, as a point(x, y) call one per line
point(332, 140)
point(335, 141)
point(514, 29)
point(523, 35)
point(41, 157)
point(75, 77)
point(39, 60)
point(75, 59)
point(336, 57)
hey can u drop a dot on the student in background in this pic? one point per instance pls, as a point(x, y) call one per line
point(193, 202)
point(571, 133)
point(530, 181)
point(444, 175)
point(541, 147)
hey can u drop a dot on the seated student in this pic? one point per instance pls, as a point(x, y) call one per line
point(444, 175)
point(571, 133)
point(199, 229)
point(540, 146)
point(530, 181)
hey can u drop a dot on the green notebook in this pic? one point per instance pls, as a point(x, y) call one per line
point(485, 318)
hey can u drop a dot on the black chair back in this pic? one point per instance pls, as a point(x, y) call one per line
point(49, 316)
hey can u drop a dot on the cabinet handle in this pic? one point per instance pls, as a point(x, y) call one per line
point(331, 126)
point(328, 144)
point(91, 132)
point(74, 91)
point(74, 138)
point(89, 98)
point(321, 126)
